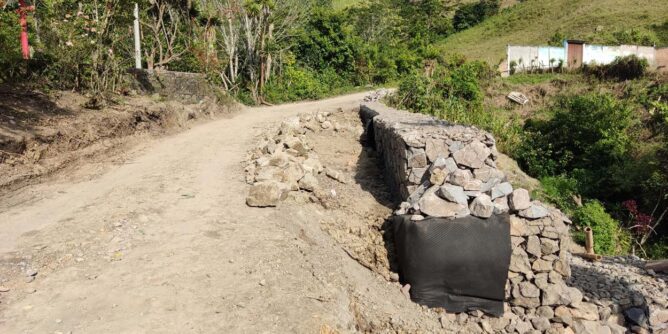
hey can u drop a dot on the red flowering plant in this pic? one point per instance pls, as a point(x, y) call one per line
point(641, 224)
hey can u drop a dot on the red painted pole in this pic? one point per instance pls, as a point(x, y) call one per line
point(23, 20)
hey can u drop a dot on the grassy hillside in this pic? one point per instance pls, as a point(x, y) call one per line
point(533, 22)
point(341, 4)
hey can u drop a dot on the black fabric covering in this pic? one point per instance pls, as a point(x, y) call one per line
point(458, 264)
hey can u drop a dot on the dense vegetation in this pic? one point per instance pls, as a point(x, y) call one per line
point(601, 152)
point(257, 50)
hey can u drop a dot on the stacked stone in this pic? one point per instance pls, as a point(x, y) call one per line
point(449, 171)
point(444, 170)
point(284, 165)
point(625, 292)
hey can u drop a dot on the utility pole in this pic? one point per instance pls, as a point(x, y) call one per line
point(137, 39)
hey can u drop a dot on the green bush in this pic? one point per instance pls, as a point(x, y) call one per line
point(10, 55)
point(326, 41)
point(658, 249)
point(587, 138)
point(468, 15)
point(294, 84)
point(560, 191)
point(621, 69)
point(609, 239)
point(454, 93)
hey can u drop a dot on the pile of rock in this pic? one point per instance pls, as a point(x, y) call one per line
point(624, 291)
point(284, 165)
point(377, 95)
point(449, 171)
point(444, 170)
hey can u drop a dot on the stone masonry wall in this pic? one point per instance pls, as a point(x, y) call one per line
point(445, 170)
point(182, 86)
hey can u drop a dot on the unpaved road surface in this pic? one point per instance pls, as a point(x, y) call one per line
point(163, 242)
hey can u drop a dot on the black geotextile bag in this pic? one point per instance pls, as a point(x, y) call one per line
point(458, 264)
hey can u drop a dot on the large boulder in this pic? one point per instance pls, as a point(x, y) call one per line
point(472, 155)
point(434, 206)
point(266, 193)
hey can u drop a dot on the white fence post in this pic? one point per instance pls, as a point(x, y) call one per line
point(137, 39)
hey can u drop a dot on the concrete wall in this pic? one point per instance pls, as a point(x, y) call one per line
point(601, 54)
point(538, 57)
point(535, 57)
point(181, 86)
point(661, 59)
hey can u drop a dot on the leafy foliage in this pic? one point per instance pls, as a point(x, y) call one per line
point(454, 92)
point(586, 137)
point(621, 69)
point(609, 239)
point(10, 56)
point(471, 14)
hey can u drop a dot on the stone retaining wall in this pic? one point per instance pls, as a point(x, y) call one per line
point(440, 169)
point(182, 86)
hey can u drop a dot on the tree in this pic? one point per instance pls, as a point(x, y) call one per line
point(471, 14)
point(254, 33)
point(165, 22)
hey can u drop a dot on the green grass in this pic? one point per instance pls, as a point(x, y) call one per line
point(531, 79)
point(533, 22)
point(343, 4)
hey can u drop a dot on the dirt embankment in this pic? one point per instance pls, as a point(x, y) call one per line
point(41, 133)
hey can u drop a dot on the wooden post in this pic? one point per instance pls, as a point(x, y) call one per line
point(589, 240)
point(137, 39)
point(589, 246)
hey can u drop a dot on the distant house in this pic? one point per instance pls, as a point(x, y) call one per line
point(576, 53)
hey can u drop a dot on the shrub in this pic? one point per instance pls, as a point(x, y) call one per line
point(453, 92)
point(469, 15)
point(609, 239)
point(621, 69)
point(10, 56)
point(560, 191)
point(586, 138)
point(557, 39)
point(658, 249)
point(294, 84)
point(327, 42)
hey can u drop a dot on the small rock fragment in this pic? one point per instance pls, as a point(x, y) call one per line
point(335, 174)
point(501, 190)
point(460, 177)
point(437, 177)
point(308, 182)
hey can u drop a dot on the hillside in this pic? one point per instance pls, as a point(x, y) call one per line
point(535, 21)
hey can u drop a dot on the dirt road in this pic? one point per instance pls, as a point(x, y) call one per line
point(164, 243)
